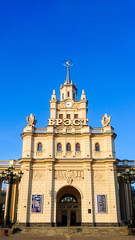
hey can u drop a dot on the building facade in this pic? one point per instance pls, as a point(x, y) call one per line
point(70, 168)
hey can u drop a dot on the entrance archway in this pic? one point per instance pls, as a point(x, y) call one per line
point(68, 211)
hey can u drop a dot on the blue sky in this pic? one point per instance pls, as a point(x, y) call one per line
point(35, 38)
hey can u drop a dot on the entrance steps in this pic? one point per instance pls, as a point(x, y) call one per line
point(65, 231)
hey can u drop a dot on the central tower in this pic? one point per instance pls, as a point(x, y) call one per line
point(68, 107)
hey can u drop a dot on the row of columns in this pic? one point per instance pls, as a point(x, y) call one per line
point(125, 196)
point(13, 202)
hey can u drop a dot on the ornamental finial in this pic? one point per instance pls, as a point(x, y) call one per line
point(31, 120)
point(68, 64)
point(106, 120)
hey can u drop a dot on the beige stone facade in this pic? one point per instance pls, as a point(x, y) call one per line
point(71, 165)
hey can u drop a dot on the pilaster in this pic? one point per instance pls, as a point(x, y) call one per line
point(50, 195)
point(87, 201)
point(24, 203)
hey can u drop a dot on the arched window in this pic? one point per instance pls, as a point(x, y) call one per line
point(39, 148)
point(77, 147)
point(68, 198)
point(68, 147)
point(97, 147)
point(59, 147)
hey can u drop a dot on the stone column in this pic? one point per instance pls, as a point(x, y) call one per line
point(6, 200)
point(0, 188)
point(14, 199)
point(130, 200)
point(126, 196)
point(123, 208)
point(0, 198)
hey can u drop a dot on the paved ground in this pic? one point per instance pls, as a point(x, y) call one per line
point(19, 237)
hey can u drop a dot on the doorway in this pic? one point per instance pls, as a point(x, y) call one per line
point(72, 218)
point(64, 218)
point(68, 207)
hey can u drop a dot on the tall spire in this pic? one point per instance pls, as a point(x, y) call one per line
point(68, 64)
point(68, 76)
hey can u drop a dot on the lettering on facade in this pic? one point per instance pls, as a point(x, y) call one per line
point(68, 122)
point(69, 175)
point(38, 176)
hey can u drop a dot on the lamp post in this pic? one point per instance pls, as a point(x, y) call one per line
point(128, 174)
point(11, 178)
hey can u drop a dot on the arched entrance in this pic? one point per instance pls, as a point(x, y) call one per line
point(68, 211)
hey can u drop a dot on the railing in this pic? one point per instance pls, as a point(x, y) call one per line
point(96, 130)
point(40, 130)
point(125, 163)
point(6, 163)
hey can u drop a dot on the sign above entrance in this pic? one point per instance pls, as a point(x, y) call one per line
point(68, 122)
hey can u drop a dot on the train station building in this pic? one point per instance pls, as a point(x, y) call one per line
point(70, 169)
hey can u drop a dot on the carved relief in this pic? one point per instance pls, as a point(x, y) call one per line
point(38, 176)
point(69, 175)
point(99, 175)
point(69, 180)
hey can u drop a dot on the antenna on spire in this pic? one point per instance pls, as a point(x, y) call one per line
point(68, 64)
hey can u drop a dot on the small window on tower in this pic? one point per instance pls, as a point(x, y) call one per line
point(77, 147)
point(59, 147)
point(61, 116)
point(68, 147)
point(97, 147)
point(75, 116)
point(39, 147)
point(62, 95)
point(68, 94)
point(68, 116)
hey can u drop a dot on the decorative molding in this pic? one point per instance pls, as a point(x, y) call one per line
point(38, 175)
point(99, 175)
point(69, 175)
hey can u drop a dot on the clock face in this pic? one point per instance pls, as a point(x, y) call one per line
point(68, 104)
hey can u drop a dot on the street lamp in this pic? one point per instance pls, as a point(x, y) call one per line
point(11, 178)
point(128, 175)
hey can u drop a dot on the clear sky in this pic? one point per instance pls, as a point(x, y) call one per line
point(37, 35)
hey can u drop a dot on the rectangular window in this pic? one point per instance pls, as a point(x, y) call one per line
point(61, 116)
point(75, 116)
point(68, 94)
point(68, 116)
point(62, 95)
